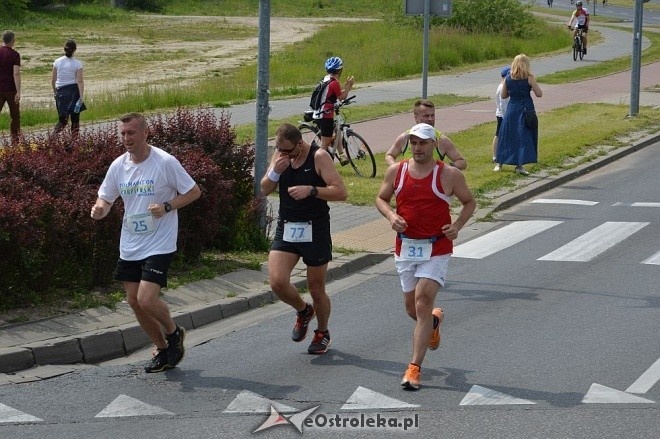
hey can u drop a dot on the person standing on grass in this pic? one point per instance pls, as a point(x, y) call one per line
point(423, 188)
point(153, 186)
point(306, 179)
point(518, 142)
point(424, 112)
point(68, 86)
point(500, 109)
point(10, 82)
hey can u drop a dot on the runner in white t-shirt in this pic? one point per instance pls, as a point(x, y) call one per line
point(153, 186)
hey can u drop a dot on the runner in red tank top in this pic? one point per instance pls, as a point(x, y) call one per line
point(423, 188)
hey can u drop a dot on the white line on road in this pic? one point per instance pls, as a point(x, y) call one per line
point(647, 380)
point(653, 260)
point(500, 239)
point(599, 394)
point(594, 242)
point(479, 395)
point(564, 201)
point(9, 415)
point(124, 406)
point(642, 204)
point(364, 398)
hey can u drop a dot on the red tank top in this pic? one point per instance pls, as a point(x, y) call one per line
point(424, 206)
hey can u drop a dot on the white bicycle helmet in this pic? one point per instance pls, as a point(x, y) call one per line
point(334, 64)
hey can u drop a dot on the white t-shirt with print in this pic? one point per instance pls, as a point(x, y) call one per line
point(156, 180)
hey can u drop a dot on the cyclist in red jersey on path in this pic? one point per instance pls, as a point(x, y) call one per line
point(581, 17)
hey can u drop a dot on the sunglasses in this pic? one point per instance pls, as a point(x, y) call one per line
point(287, 151)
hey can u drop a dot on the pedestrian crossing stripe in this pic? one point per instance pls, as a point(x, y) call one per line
point(9, 415)
point(502, 238)
point(564, 201)
point(643, 204)
point(582, 249)
point(594, 242)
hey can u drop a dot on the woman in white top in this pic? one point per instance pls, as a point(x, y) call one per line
point(68, 86)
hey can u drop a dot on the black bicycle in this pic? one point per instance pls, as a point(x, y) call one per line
point(578, 45)
point(359, 154)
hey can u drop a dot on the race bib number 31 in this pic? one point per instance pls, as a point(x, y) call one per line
point(297, 232)
point(416, 249)
point(140, 224)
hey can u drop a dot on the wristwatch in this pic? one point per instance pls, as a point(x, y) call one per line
point(314, 192)
point(168, 206)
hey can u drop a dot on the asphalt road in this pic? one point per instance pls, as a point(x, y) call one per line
point(538, 342)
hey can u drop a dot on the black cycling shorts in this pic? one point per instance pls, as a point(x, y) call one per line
point(327, 126)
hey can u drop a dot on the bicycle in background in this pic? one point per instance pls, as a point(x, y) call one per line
point(578, 45)
point(359, 154)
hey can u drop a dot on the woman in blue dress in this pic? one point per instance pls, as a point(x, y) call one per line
point(517, 143)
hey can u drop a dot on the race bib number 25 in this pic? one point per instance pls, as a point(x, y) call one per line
point(140, 224)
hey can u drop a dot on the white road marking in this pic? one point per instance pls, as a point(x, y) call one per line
point(125, 406)
point(500, 239)
point(643, 204)
point(250, 402)
point(483, 396)
point(647, 380)
point(564, 201)
point(365, 399)
point(594, 242)
point(9, 415)
point(653, 260)
point(599, 394)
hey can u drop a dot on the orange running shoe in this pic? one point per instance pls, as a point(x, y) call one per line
point(410, 379)
point(434, 341)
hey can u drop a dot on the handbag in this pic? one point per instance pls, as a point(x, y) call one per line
point(531, 120)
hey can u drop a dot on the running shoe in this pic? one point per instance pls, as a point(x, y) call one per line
point(302, 322)
point(158, 363)
point(497, 168)
point(410, 379)
point(343, 160)
point(175, 348)
point(434, 341)
point(320, 342)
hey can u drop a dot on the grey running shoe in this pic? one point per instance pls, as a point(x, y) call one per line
point(320, 343)
point(302, 322)
point(175, 348)
point(158, 363)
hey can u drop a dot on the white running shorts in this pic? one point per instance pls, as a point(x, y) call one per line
point(410, 271)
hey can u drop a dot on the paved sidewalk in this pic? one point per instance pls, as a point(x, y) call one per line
point(97, 335)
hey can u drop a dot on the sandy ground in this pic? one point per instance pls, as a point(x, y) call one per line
point(200, 59)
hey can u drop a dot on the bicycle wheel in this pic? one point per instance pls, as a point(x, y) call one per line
point(576, 49)
point(360, 155)
point(581, 53)
point(310, 133)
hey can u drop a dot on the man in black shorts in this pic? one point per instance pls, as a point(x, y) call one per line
point(307, 180)
point(153, 186)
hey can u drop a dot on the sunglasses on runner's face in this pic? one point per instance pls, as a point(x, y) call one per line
point(287, 151)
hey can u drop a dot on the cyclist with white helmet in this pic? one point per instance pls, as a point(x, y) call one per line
point(333, 66)
point(581, 18)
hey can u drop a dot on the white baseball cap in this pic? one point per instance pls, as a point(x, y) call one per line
point(423, 131)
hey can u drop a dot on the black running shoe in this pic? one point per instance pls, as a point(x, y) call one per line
point(175, 348)
point(302, 321)
point(158, 363)
point(320, 342)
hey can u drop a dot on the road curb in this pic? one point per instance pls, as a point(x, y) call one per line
point(118, 341)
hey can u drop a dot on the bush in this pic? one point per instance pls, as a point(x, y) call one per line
point(13, 10)
point(48, 185)
point(509, 17)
